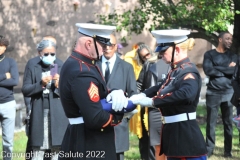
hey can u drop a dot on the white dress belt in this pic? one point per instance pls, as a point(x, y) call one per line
point(78, 120)
point(179, 117)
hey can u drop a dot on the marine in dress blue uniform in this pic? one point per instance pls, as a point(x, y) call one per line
point(177, 97)
point(90, 134)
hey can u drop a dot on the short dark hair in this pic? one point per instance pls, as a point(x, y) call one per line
point(3, 41)
point(221, 34)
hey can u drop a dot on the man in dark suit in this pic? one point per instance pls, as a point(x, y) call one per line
point(118, 74)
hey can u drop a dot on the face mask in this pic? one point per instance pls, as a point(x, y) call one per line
point(48, 59)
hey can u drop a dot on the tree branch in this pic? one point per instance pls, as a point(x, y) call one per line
point(171, 3)
point(201, 33)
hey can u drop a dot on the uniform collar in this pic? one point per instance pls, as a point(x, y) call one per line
point(179, 63)
point(84, 58)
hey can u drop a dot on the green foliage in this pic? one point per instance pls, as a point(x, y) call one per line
point(211, 15)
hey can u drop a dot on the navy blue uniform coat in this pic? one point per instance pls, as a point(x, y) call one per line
point(180, 94)
point(81, 88)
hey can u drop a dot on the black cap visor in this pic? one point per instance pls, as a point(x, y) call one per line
point(160, 49)
point(102, 40)
point(163, 46)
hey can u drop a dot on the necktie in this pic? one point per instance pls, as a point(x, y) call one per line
point(107, 72)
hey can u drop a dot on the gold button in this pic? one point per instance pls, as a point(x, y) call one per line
point(82, 62)
point(92, 62)
point(157, 92)
point(112, 120)
point(102, 130)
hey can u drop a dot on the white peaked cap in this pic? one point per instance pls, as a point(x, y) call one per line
point(172, 35)
point(92, 30)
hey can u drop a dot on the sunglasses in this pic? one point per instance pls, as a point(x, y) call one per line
point(47, 54)
point(144, 57)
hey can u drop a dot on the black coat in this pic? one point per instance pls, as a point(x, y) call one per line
point(122, 77)
point(152, 73)
point(236, 84)
point(32, 88)
point(81, 88)
point(178, 94)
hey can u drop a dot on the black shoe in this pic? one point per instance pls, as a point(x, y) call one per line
point(227, 154)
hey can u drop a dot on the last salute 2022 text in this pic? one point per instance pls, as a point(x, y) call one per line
point(88, 154)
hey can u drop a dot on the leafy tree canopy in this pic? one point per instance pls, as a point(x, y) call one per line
point(206, 17)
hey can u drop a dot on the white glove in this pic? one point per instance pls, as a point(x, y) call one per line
point(119, 101)
point(137, 97)
point(145, 101)
point(130, 114)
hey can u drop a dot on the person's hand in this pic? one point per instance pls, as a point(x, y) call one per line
point(130, 114)
point(56, 78)
point(119, 101)
point(232, 64)
point(46, 80)
point(8, 75)
point(145, 101)
point(137, 97)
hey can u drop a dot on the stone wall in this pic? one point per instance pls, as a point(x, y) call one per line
point(25, 22)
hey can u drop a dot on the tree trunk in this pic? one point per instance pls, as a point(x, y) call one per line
point(236, 30)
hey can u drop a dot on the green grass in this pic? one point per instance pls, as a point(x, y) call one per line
point(20, 140)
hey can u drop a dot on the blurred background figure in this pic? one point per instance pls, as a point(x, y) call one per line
point(119, 51)
point(153, 73)
point(236, 95)
point(219, 65)
point(139, 122)
point(47, 119)
point(8, 79)
point(27, 100)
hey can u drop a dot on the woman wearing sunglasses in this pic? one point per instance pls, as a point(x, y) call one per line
point(47, 118)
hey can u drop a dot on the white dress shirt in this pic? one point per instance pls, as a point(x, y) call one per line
point(111, 63)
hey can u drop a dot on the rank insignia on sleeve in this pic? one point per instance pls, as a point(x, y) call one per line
point(93, 92)
point(189, 76)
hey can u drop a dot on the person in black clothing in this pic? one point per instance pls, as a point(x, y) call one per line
point(236, 95)
point(8, 79)
point(153, 73)
point(47, 118)
point(219, 65)
point(177, 98)
point(27, 100)
point(82, 86)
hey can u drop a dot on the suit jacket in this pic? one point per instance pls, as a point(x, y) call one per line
point(121, 77)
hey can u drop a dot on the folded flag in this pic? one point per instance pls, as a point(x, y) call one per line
point(107, 106)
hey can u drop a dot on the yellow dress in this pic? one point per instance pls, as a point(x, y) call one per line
point(135, 125)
